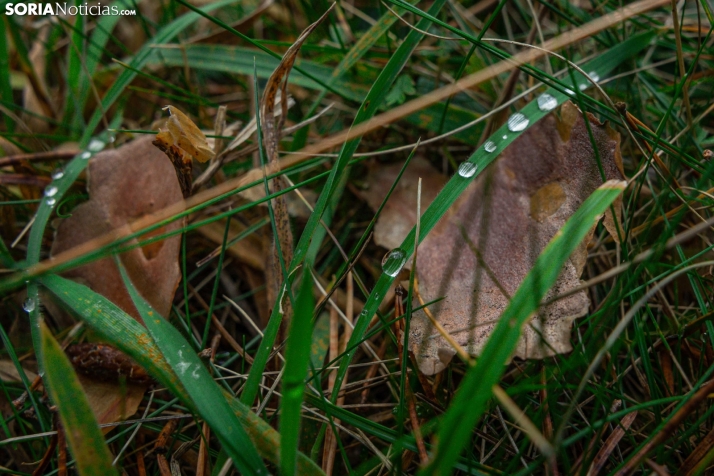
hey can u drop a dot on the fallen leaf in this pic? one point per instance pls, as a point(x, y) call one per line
point(125, 184)
point(481, 250)
point(110, 401)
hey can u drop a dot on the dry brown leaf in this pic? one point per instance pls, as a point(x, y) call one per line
point(182, 132)
point(508, 214)
point(180, 141)
point(125, 184)
point(111, 401)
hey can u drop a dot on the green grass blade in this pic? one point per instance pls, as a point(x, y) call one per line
point(44, 211)
point(475, 390)
point(91, 455)
point(164, 35)
point(198, 383)
point(119, 329)
point(297, 356)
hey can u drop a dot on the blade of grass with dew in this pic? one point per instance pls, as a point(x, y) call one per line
point(198, 383)
point(53, 193)
point(369, 107)
point(116, 327)
point(297, 356)
point(91, 455)
point(164, 35)
point(474, 392)
point(457, 184)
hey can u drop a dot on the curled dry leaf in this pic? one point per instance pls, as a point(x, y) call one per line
point(124, 185)
point(479, 253)
point(271, 124)
point(181, 140)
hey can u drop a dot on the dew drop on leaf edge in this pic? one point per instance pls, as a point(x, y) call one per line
point(50, 191)
point(57, 174)
point(95, 145)
point(546, 102)
point(85, 155)
point(393, 261)
point(489, 146)
point(29, 304)
point(467, 169)
point(51, 201)
point(517, 122)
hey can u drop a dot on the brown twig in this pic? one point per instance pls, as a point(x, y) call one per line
point(611, 443)
point(40, 470)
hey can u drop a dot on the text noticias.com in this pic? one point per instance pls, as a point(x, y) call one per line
point(64, 9)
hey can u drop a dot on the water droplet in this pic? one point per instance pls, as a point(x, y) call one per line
point(583, 86)
point(489, 146)
point(29, 304)
point(546, 102)
point(569, 92)
point(111, 138)
point(505, 137)
point(50, 191)
point(467, 169)
point(95, 145)
point(50, 201)
point(594, 76)
point(85, 155)
point(57, 174)
point(393, 261)
point(517, 122)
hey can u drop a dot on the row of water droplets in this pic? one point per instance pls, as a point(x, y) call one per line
point(94, 146)
point(583, 86)
point(394, 260)
point(518, 122)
